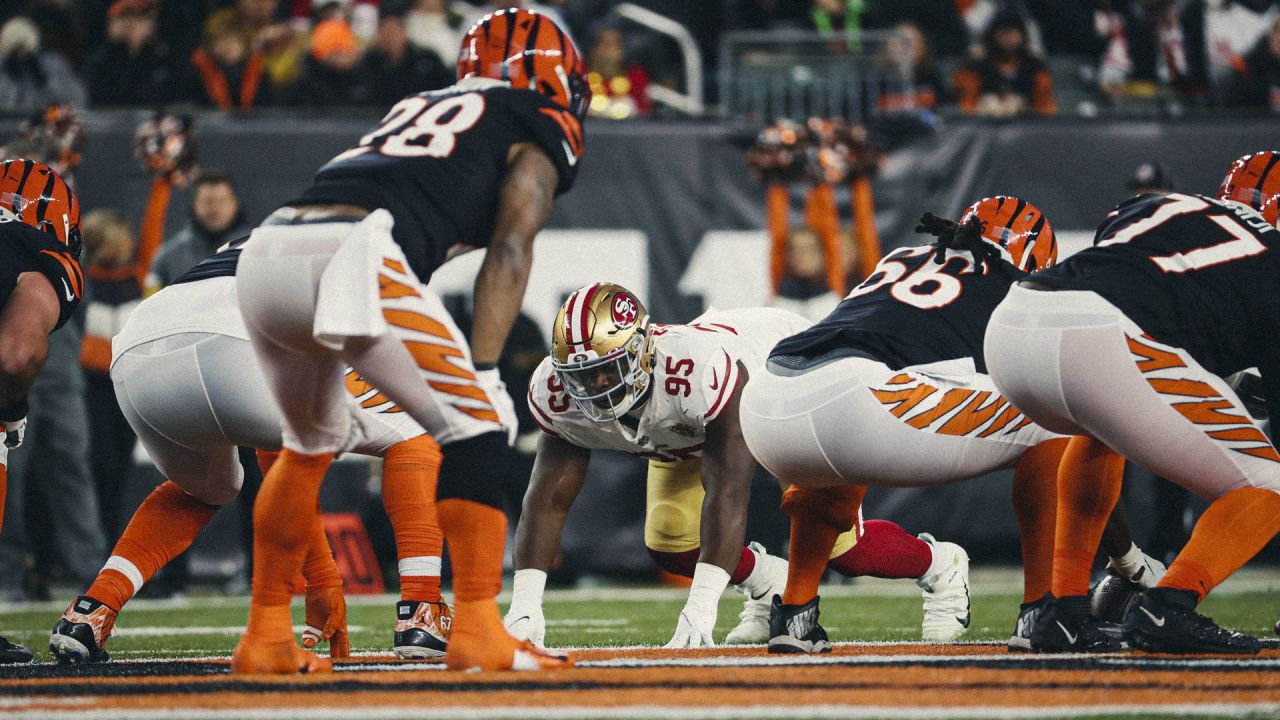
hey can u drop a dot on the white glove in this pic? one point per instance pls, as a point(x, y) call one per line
point(14, 432)
point(524, 619)
point(492, 384)
point(698, 618)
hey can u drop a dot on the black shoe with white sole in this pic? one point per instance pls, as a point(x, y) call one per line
point(794, 628)
point(1066, 625)
point(1165, 620)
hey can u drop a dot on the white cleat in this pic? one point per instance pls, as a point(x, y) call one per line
point(768, 579)
point(946, 593)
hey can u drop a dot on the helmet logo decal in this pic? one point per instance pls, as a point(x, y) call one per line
point(624, 310)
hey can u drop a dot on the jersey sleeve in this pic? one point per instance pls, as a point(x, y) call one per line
point(552, 128)
point(699, 356)
point(30, 250)
point(543, 398)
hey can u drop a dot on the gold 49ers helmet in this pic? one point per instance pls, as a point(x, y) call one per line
point(1019, 227)
point(600, 350)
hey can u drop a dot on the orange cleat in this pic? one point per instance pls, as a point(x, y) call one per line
point(275, 657)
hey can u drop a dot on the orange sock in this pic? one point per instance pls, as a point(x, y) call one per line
point(266, 458)
point(1035, 501)
point(476, 534)
point(284, 520)
point(1089, 480)
point(409, 474)
point(164, 525)
point(318, 567)
point(1230, 532)
point(818, 516)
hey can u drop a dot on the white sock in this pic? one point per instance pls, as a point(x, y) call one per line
point(1128, 563)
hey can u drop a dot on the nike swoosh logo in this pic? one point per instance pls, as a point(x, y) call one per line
point(568, 153)
point(1157, 621)
point(715, 380)
point(1070, 638)
point(70, 296)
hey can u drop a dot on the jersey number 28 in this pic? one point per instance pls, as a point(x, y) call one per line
point(417, 127)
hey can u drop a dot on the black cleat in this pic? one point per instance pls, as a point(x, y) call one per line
point(1164, 620)
point(1020, 641)
point(422, 629)
point(1066, 625)
point(81, 634)
point(795, 628)
point(11, 653)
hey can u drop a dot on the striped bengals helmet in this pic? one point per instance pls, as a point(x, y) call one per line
point(1271, 210)
point(601, 351)
point(1252, 180)
point(528, 50)
point(33, 193)
point(1019, 227)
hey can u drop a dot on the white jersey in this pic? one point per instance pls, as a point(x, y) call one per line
point(695, 375)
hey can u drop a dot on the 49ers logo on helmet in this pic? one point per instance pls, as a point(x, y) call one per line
point(624, 310)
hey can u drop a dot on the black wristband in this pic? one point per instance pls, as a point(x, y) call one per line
point(481, 367)
point(16, 411)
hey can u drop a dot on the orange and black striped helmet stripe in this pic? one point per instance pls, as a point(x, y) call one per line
point(1253, 179)
point(528, 50)
point(1019, 227)
point(38, 196)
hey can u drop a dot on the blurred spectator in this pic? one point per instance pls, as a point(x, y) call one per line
point(804, 287)
point(1005, 79)
point(31, 78)
point(59, 24)
point(1150, 177)
point(1145, 48)
point(226, 72)
point(264, 31)
point(619, 89)
point(216, 218)
point(362, 14)
point(1259, 86)
point(395, 68)
point(432, 25)
point(913, 81)
point(1218, 34)
point(978, 17)
point(134, 67)
point(332, 73)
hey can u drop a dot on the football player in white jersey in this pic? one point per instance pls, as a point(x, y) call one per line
point(670, 393)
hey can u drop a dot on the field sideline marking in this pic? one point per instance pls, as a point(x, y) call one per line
point(644, 712)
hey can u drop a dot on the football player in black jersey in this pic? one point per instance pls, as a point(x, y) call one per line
point(325, 279)
point(1127, 343)
point(40, 286)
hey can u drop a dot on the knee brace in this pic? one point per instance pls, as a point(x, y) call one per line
point(467, 473)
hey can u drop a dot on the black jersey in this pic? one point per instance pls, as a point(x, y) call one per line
point(26, 249)
point(1192, 272)
point(436, 162)
point(222, 263)
point(910, 311)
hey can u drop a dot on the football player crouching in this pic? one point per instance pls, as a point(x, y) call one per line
point(670, 393)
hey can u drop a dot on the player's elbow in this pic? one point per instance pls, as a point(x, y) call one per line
point(20, 362)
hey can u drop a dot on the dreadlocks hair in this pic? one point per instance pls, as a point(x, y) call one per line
point(965, 237)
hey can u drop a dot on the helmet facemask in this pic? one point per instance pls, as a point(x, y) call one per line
point(606, 388)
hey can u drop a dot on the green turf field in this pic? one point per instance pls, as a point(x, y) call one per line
point(866, 610)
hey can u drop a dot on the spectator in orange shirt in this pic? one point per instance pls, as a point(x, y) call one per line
point(1006, 79)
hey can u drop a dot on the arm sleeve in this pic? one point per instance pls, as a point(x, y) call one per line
point(36, 251)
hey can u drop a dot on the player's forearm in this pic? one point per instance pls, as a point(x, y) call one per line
point(724, 527)
point(499, 290)
point(538, 534)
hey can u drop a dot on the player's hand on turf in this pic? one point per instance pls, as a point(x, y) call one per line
point(694, 628)
point(527, 623)
point(327, 620)
point(493, 386)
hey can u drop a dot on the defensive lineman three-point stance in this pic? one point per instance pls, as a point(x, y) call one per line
point(1126, 343)
point(890, 389)
point(616, 381)
point(40, 288)
point(474, 165)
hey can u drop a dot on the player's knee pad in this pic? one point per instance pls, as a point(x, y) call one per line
point(467, 471)
point(836, 507)
point(672, 528)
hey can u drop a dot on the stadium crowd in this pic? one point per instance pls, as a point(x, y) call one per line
point(986, 57)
